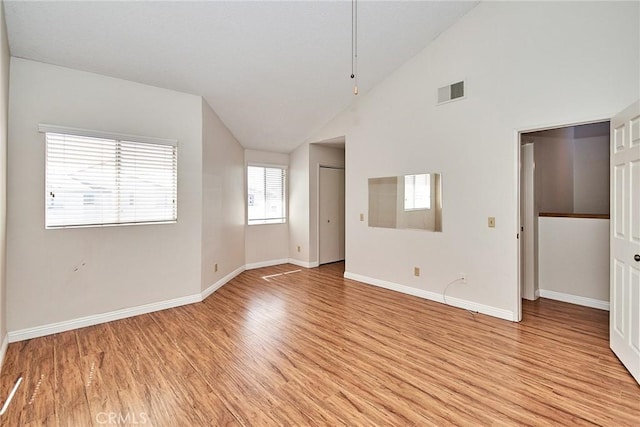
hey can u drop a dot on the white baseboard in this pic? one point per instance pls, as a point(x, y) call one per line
point(433, 296)
point(305, 264)
point(211, 289)
point(575, 299)
point(96, 319)
point(3, 349)
point(254, 265)
point(67, 325)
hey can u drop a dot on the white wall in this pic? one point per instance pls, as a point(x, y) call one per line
point(299, 205)
point(591, 175)
point(267, 243)
point(528, 65)
point(4, 107)
point(554, 163)
point(319, 155)
point(574, 257)
point(572, 172)
point(223, 207)
point(117, 267)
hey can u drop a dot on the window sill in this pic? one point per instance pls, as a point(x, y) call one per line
point(267, 222)
point(123, 224)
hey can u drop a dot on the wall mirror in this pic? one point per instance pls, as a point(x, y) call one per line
point(406, 201)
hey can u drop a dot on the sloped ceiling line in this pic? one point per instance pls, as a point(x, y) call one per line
point(273, 71)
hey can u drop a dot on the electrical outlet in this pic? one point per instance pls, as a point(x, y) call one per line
point(361, 217)
point(298, 248)
point(215, 268)
point(492, 222)
point(416, 271)
point(463, 277)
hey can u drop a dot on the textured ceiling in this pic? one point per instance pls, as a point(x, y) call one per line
point(273, 71)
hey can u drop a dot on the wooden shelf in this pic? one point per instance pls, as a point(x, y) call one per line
point(573, 215)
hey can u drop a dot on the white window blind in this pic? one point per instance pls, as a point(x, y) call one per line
point(266, 188)
point(93, 181)
point(417, 191)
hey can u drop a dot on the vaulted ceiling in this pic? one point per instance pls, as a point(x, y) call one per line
point(274, 71)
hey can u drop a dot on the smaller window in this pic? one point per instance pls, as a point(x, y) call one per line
point(266, 195)
point(417, 192)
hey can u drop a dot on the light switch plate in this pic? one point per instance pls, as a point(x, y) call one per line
point(492, 222)
point(361, 217)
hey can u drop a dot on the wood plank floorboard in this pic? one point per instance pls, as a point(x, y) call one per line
point(310, 348)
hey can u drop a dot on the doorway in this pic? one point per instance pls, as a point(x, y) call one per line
point(564, 214)
point(331, 218)
point(623, 234)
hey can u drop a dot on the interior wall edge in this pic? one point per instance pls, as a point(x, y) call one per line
point(220, 283)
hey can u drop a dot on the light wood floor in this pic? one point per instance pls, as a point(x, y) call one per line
point(311, 348)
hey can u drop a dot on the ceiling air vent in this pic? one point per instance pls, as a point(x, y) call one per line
point(451, 92)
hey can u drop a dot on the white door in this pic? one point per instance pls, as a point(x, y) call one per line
point(527, 227)
point(331, 215)
point(624, 321)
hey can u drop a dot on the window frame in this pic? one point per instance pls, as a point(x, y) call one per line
point(119, 138)
point(285, 190)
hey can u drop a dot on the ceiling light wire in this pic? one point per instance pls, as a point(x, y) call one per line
point(352, 38)
point(354, 44)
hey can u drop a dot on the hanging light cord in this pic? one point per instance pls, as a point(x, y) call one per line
point(354, 44)
point(352, 38)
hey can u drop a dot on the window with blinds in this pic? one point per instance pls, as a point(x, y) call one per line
point(96, 181)
point(417, 192)
point(266, 192)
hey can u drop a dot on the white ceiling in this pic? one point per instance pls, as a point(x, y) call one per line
point(274, 71)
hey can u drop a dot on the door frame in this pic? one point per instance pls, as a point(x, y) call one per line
point(329, 166)
point(516, 171)
point(529, 229)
